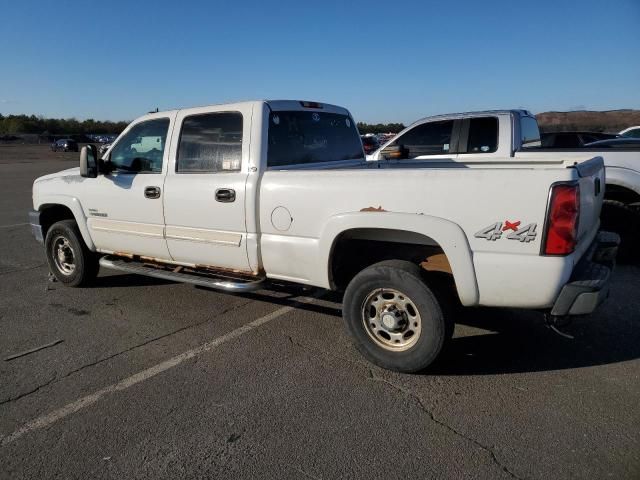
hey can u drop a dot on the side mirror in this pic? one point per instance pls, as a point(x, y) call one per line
point(89, 161)
point(394, 152)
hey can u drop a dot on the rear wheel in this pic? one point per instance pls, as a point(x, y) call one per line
point(394, 318)
point(624, 220)
point(69, 259)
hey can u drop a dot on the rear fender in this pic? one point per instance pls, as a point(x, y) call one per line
point(449, 236)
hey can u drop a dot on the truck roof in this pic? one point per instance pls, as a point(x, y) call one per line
point(275, 105)
point(479, 113)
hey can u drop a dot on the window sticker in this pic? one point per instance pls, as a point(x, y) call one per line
point(484, 148)
point(276, 120)
point(348, 122)
point(315, 117)
point(445, 147)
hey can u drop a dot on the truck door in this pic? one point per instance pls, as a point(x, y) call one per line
point(124, 207)
point(204, 202)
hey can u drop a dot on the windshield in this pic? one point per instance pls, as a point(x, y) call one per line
point(301, 137)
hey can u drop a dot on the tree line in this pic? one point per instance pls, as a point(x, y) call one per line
point(380, 127)
point(16, 124)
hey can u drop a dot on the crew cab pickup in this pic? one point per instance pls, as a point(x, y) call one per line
point(233, 196)
point(513, 135)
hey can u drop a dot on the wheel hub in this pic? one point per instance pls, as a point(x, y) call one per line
point(391, 319)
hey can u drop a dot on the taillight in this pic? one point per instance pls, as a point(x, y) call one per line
point(562, 223)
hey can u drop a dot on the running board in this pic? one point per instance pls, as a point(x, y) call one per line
point(219, 280)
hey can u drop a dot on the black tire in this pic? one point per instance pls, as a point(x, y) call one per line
point(624, 220)
point(76, 266)
point(398, 280)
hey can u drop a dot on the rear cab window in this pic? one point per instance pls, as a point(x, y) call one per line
point(311, 137)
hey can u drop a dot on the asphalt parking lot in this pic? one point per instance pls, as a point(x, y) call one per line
point(152, 379)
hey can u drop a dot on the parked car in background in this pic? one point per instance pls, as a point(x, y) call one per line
point(103, 149)
point(633, 132)
point(618, 143)
point(370, 143)
point(64, 145)
point(385, 137)
point(572, 139)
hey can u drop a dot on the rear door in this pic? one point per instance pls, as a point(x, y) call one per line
point(204, 202)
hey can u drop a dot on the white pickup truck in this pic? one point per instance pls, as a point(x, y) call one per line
point(513, 135)
point(235, 195)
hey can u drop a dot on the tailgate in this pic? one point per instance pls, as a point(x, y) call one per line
point(592, 180)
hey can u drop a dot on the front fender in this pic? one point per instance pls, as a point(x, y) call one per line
point(447, 234)
point(73, 204)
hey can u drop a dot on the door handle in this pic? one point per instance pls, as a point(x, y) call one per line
point(152, 192)
point(225, 195)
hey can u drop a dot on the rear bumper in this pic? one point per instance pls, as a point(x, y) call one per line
point(588, 286)
point(36, 227)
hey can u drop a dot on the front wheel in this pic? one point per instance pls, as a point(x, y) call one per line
point(394, 318)
point(72, 263)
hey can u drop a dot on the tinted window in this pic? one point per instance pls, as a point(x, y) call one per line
point(588, 138)
point(635, 133)
point(431, 138)
point(142, 148)
point(369, 140)
point(210, 143)
point(567, 140)
point(299, 137)
point(530, 134)
point(483, 135)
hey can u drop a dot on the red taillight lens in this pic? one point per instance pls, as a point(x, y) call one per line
point(562, 224)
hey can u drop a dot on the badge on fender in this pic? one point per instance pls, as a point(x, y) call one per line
point(494, 231)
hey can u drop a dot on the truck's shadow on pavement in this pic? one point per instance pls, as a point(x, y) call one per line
point(518, 342)
point(490, 341)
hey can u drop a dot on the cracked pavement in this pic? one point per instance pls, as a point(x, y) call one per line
point(291, 398)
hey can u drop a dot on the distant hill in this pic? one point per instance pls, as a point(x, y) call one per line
point(611, 121)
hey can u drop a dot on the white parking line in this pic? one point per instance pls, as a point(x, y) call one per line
point(52, 417)
point(14, 225)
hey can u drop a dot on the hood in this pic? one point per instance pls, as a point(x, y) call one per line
point(67, 174)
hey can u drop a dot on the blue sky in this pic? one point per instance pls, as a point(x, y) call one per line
point(385, 61)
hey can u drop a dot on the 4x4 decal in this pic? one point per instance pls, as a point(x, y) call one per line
point(494, 231)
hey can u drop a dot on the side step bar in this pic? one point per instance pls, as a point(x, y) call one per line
point(211, 279)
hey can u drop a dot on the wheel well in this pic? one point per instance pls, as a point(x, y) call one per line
point(356, 249)
point(621, 194)
point(52, 213)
